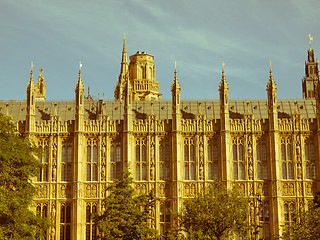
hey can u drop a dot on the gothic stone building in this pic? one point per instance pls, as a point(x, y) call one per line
point(268, 148)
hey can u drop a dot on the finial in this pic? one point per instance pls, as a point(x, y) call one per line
point(271, 76)
point(80, 66)
point(175, 69)
point(223, 77)
point(41, 70)
point(310, 39)
point(31, 73)
point(295, 106)
point(55, 108)
point(124, 37)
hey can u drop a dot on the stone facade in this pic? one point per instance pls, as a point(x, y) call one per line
point(267, 148)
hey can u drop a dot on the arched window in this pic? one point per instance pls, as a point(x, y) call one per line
point(92, 161)
point(310, 159)
point(164, 161)
point(165, 217)
point(44, 160)
point(261, 154)
point(91, 229)
point(286, 157)
point(238, 159)
point(115, 160)
point(65, 221)
point(66, 160)
point(141, 159)
point(189, 159)
point(212, 160)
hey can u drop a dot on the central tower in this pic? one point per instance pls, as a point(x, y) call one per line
point(142, 77)
point(141, 74)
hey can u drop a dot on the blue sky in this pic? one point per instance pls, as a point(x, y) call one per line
point(199, 35)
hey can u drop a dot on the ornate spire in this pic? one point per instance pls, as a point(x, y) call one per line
point(310, 40)
point(80, 83)
point(175, 84)
point(223, 84)
point(271, 83)
point(31, 82)
point(124, 51)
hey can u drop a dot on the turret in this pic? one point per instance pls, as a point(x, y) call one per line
point(40, 88)
point(176, 111)
point(311, 74)
point(272, 102)
point(142, 77)
point(31, 105)
point(79, 91)
point(224, 101)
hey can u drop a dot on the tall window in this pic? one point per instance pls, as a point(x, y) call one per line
point(92, 161)
point(189, 159)
point(288, 212)
point(42, 210)
point(264, 220)
point(66, 159)
point(213, 168)
point(44, 159)
point(165, 217)
point(286, 157)
point(262, 169)
point(91, 229)
point(115, 160)
point(310, 159)
point(164, 153)
point(65, 221)
point(238, 159)
point(141, 159)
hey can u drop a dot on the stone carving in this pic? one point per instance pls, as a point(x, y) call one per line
point(53, 212)
point(249, 154)
point(53, 233)
point(103, 172)
point(53, 191)
point(42, 191)
point(251, 189)
point(54, 172)
point(201, 172)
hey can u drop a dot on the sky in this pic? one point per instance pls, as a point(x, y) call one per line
point(198, 34)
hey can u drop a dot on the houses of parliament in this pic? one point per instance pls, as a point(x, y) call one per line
point(265, 148)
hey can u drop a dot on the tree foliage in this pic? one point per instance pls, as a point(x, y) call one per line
point(17, 165)
point(305, 224)
point(126, 214)
point(217, 213)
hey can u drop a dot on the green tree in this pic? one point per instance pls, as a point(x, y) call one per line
point(305, 224)
point(216, 213)
point(18, 165)
point(126, 214)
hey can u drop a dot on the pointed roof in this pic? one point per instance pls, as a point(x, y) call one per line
point(79, 84)
point(271, 83)
point(31, 82)
point(175, 84)
point(40, 78)
point(124, 60)
point(124, 51)
point(223, 84)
